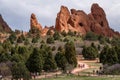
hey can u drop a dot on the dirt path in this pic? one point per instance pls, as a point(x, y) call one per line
point(81, 66)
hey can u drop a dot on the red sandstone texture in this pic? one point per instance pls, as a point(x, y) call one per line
point(4, 26)
point(79, 21)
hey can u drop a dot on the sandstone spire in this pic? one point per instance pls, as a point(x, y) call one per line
point(34, 23)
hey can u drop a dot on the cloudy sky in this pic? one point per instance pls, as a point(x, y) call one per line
point(17, 12)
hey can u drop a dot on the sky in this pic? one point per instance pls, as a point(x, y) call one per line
point(17, 12)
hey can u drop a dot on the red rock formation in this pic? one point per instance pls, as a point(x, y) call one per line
point(34, 23)
point(79, 21)
point(4, 26)
point(46, 29)
point(62, 19)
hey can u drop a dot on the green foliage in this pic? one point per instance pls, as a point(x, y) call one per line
point(64, 33)
point(4, 57)
point(35, 61)
point(34, 30)
point(108, 56)
point(19, 71)
point(56, 36)
point(115, 41)
point(16, 58)
point(61, 60)
point(117, 49)
point(34, 40)
point(6, 46)
point(70, 53)
point(49, 32)
point(19, 40)
point(112, 57)
point(49, 64)
point(26, 42)
point(103, 39)
point(66, 39)
point(50, 40)
point(12, 37)
point(91, 36)
point(71, 33)
point(89, 53)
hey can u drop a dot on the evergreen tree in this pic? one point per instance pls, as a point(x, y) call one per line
point(19, 71)
point(49, 64)
point(112, 57)
point(56, 36)
point(61, 60)
point(117, 49)
point(35, 61)
point(109, 56)
point(89, 53)
point(70, 53)
point(12, 37)
point(103, 55)
point(34, 40)
point(50, 40)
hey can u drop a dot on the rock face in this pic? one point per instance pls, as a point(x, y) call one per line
point(62, 19)
point(4, 26)
point(37, 28)
point(81, 22)
point(34, 23)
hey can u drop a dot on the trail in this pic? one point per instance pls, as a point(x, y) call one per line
point(81, 66)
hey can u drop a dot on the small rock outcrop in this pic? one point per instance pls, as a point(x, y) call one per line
point(4, 26)
point(34, 25)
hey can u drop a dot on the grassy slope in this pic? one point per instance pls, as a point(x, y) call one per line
point(82, 78)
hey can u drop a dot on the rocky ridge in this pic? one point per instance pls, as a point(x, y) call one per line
point(78, 21)
point(4, 26)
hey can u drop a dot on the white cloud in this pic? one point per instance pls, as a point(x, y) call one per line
point(17, 12)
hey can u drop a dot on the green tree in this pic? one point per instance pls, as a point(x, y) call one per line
point(34, 40)
point(19, 71)
point(109, 56)
point(89, 53)
point(35, 61)
point(117, 49)
point(70, 53)
point(50, 40)
point(4, 57)
point(19, 40)
point(16, 58)
point(12, 37)
point(112, 57)
point(49, 64)
point(56, 35)
point(26, 42)
point(103, 55)
point(61, 60)
point(91, 36)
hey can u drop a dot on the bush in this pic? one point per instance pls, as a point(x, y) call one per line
point(50, 40)
point(91, 36)
point(89, 53)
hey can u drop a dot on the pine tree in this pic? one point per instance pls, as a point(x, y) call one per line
point(61, 60)
point(103, 55)
point(70, 53)
point(35, 61)
point(89, 53)
point(19, 71)
point(49, 63)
